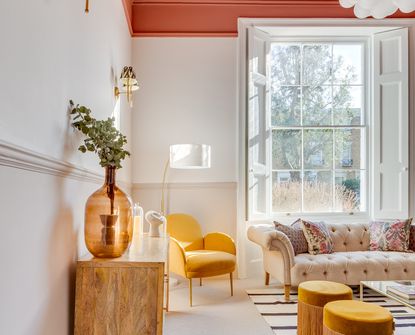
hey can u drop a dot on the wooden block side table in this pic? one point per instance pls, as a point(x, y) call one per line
point(122, 296)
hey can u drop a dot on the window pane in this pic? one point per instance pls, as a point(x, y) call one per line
point(347, 64)
point(348, 153)
point(286, 191)
point(347, 105)
point(348, 191)
point(318, 149)
point(285, 105)
point(317, 167)
point(317, 64)
point(285, 64)
point(317, 105)
point(318, 191)
point(286, 149)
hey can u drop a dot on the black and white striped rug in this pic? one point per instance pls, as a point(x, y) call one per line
point(282, 315)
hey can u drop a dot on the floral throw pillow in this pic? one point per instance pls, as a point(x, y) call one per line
point(390, 236)
point(318, 237)
point(295, 235)
point(412, 238)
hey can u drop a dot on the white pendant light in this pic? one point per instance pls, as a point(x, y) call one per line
point(361, 12)
point(406, 6)
point(347, 3)
point(379, 9)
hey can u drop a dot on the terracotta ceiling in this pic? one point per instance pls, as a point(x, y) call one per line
point(219, 17)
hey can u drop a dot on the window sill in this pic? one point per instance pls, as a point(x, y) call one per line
point(361, 217)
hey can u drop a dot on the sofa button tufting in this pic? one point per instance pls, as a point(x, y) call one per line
point(386, 270)
point(333, 230)
point(364, 271)
point(325, 272)
point(405, 270)
point(304, 273)
point(345, 272)
point(361, 242)
point(344, 243)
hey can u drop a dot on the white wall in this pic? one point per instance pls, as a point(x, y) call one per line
point(50, 52)
point(187, 95)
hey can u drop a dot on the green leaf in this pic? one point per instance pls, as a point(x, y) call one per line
point(101, 136)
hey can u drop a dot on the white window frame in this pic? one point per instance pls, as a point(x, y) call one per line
point(364, 26)
point(247, 253)
point(367, 107)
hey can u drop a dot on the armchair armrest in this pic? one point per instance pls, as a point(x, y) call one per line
point(271, 239)
point(220, 242)
point(177, 258)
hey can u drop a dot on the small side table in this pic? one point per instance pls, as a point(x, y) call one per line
point(124, 295)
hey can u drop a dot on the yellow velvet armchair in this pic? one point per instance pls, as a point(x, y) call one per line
point(195, 256)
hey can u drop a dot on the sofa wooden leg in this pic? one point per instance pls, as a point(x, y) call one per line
point(200, 283)
point(266, 278)
point(190, 292)
point(287, 290)
point(231, 280)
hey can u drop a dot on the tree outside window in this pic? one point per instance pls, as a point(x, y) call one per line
point(318, 130)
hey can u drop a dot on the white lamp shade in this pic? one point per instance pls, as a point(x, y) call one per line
point(190, 156)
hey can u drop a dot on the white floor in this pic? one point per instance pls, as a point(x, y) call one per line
point(214, 311)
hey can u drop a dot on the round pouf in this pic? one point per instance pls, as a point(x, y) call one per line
point(351, 317)
point(312, 296)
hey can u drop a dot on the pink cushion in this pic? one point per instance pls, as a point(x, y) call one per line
point(390, 236)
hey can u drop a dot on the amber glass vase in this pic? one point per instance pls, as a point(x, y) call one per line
point(108, 219)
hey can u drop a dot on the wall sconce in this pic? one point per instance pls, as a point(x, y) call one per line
point(129, 84)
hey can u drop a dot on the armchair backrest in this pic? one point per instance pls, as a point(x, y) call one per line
point(185, 229)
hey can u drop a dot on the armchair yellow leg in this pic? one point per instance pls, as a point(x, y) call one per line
point(200, 282)
point(231, 280)
point(190, 292)
point(266, 278)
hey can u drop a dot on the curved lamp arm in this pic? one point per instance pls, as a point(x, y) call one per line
point(163, 187)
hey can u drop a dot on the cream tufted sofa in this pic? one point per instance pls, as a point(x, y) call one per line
point(349, 264)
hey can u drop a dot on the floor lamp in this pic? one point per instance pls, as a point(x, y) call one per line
point(185, 156)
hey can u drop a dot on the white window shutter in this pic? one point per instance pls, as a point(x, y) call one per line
point(258, 192)
point(390, 125)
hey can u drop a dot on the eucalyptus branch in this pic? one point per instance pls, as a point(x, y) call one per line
point(102, 137)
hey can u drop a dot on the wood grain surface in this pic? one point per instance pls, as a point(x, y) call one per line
point(122, 296)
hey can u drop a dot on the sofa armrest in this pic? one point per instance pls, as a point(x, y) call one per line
point(271, 239)
point(177, 258)
point(220, 242)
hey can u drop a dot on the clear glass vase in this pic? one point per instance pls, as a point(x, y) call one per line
point(108, 219)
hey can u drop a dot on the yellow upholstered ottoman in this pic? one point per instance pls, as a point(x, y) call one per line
point(312, 296)
point(351, 317)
